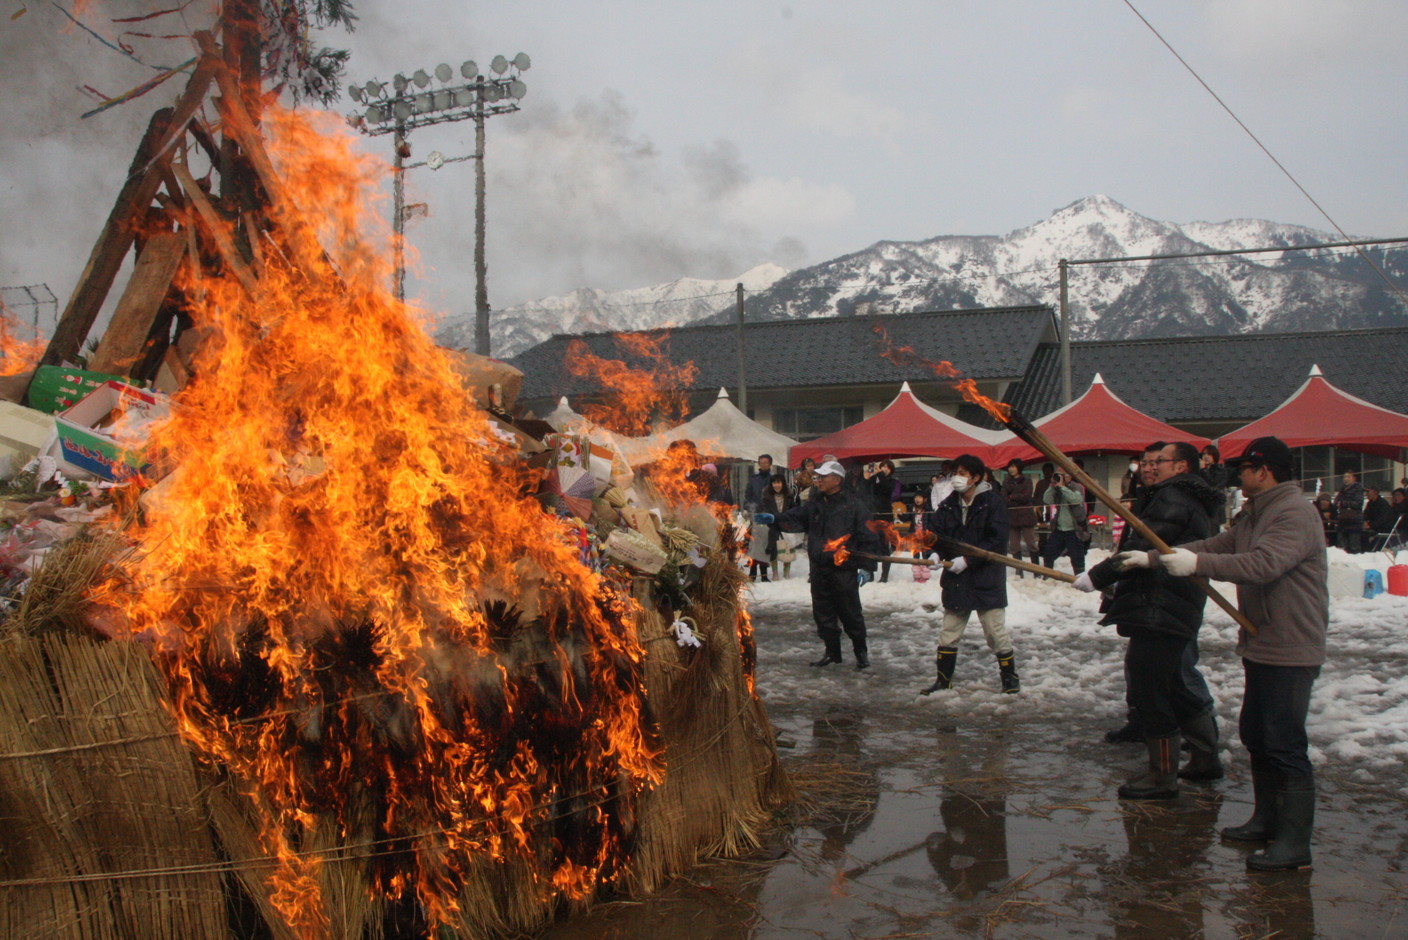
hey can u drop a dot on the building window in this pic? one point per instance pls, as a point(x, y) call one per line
point(1322, 469)
point(803, 424)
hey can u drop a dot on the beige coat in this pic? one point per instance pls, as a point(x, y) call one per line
point(1274, 552)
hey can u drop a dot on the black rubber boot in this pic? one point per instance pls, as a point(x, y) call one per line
point(1020, 573)
point(829, 657)
point(1131, 733)
point(944, 661)
point(1007, 668)
point(1160, 781)
point(1036, 560)
point(1262, 826)
point(1295, 818)
point(1203, 764)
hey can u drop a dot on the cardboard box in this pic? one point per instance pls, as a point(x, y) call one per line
point(56, 388)
point(96, 435)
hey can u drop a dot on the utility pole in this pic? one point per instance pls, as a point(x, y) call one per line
point(742, 371)
point(481, 275)
point(1064, 267)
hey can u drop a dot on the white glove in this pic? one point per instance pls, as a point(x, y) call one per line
point(1131, 560)
point(1180, 564)
point(1083, 582)
point(958, 565)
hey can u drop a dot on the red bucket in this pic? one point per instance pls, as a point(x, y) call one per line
point(1398, 580)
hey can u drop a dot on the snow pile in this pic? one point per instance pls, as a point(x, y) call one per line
point(1072, 668)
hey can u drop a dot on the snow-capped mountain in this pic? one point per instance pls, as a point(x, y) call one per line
point(1324, 290)
point(1276, 292)
point(587, 310)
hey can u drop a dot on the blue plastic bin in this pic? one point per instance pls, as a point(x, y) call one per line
point(1373, 583)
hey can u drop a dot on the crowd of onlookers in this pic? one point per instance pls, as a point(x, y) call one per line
point(1049, 513)
point(1359, 518)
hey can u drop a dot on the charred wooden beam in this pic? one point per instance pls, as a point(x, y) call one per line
point(126, 337)
point(219, 230)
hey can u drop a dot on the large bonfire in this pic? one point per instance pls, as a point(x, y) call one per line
point(405, 690)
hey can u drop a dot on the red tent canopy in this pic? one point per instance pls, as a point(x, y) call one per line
point(1319, 414)
point(906, 428)
point(1098, 422)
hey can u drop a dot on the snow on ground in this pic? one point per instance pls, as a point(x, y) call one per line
point(1071, 668)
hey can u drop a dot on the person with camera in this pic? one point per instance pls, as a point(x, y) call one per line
point(1068, 525)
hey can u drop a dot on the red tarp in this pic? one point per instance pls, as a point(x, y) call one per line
point(1318, 415)
point(1098, 422)
point(906, 428)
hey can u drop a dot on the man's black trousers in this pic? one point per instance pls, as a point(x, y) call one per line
point(836, 607)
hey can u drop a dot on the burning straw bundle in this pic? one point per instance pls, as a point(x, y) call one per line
point(413, 708)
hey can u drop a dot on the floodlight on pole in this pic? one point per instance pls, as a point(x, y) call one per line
point(407, 107)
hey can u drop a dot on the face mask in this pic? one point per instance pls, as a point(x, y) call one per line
point(961, 484)
point(1133, 466)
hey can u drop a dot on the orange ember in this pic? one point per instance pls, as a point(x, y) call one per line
point(906, 357)
point(637, 395)
point(353, 600)
point(901, 542)
point(18, 351)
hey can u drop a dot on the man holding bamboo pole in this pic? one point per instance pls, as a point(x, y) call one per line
point(1161, 615)
point(974, 513)
point(1274, 552)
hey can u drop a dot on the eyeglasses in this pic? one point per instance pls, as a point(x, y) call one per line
point(1155, 463)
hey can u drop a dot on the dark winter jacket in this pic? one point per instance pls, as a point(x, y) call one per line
point(776, 504)
point(1349, 505)
point(1216, 476)
point(758, 482)
point(1178, 510)
point(983, 524)
point(884, 490)
point(1379, 515)
point(827, 518)
point(1019, 496)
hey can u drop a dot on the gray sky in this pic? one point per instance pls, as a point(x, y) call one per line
point(661, 140)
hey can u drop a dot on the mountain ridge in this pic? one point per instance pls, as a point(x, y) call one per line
point(1273, 292)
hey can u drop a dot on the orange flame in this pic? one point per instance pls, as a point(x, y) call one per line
point(837, 547)
point(342, 567)
point(637, 395)
point(17, 354)
point(906, 357)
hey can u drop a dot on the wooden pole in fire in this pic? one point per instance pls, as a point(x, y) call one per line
point(963, 548)
point(1027, 432)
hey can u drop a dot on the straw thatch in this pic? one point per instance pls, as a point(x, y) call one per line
point(95, 785)
point(94, 782)
point(723, 778)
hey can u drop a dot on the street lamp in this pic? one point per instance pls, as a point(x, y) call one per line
point(409, 104)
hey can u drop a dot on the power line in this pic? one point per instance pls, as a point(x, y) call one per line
point(1264, 149)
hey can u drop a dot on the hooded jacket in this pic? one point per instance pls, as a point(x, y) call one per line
point(1179, 510)
point(1019, 496)
point(1274, 551)
point(983, 524)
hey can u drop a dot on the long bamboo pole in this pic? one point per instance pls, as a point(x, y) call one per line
point(963, 548)
point(1027, 432)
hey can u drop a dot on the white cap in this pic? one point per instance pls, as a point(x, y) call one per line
point(830, 469)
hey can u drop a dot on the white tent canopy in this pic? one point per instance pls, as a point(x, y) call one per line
point(720, 431)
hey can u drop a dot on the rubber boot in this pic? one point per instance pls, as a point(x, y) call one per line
point(832, 655)
point(944, 660)
point(1295, 818)
point(1011, 682)
point(1160, 781)
point(1036, 560)
point(1020, 573)
point(1262, 826)
point(1201, 734)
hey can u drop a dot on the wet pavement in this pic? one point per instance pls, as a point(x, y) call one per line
point(978, 821)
